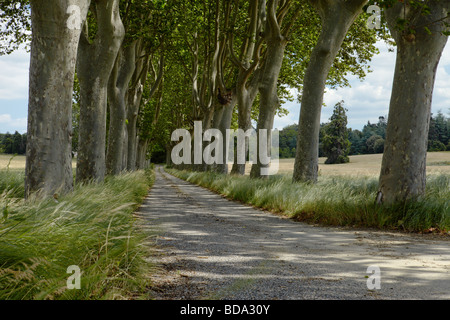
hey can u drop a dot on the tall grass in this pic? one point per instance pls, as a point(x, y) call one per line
point(93, 228)
point(340, 201)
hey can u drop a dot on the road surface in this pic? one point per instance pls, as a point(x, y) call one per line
point(212, 248)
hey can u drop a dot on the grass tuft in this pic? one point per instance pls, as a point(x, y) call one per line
point(93, 228)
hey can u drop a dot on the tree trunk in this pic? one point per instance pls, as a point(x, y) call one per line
point(245, 99)
point(134, 101)
point(268, 87)
point(94, 65)
point(141, 157)
point(56, 29)
point(403, 172)
point(248, 63)
point(337, 17)
point(117, 90)
point(223, 116)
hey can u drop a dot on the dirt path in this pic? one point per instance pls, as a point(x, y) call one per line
point(212, 248)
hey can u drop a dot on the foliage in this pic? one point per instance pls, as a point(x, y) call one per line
point(15, 25)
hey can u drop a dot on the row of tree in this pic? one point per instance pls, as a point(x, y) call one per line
point(369, 140)
point(146, 68)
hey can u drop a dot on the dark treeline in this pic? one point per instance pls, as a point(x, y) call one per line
point(13, 143)
point(371, 139)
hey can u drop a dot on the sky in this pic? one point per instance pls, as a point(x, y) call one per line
point(369, 99)
point(365, 100)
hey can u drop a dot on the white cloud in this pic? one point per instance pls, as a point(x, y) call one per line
point(10, 124)
point(14, 76)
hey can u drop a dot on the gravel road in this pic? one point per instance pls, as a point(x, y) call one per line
point(212, 248)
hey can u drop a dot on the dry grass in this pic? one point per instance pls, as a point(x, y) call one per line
point(364, 165)
point(93, 227)
point(16, 162)
point(12, 162)
point(367, 165)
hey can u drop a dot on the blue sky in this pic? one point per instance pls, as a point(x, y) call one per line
point(365, 101)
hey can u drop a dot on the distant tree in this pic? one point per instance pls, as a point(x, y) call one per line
point(17, 144)
point(439, 133)
point(356, 140)
point(288, 141)
point(378, 146)
point(373, 144)
point(7, 143)
point(435, 146)
point(336, 145)
point(442, 128)
point(13, 143)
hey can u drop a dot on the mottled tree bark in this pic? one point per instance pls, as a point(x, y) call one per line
point(117, 89)
point(141, 154)
point(337, 17)
point(268, 86)
point(403, 172)
point(223, 116)
point(94, 65)
point(134, 98)
point(56, 28)
point(245, 98)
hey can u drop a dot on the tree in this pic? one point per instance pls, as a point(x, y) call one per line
point(276, 39)
point(336, 145)
point(117, 89)
point(7, 143)
point(375, 144)
point(419, 30)
point(152, 23)
point(337, 17)
point(247, 63)
point(356, 142)
point(56, 28)
point(97, 53)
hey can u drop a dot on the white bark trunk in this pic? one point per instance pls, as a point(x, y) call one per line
point(56, 27)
